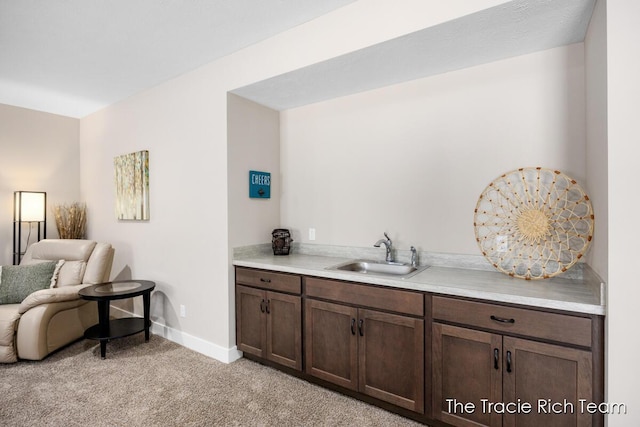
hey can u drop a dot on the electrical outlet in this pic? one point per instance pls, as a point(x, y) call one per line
point(183, 311)
point(312, 234)
point(502, 243)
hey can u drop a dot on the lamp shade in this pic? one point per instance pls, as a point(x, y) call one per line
point(30, 206)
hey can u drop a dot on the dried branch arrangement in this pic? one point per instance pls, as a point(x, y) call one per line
point(71, 220)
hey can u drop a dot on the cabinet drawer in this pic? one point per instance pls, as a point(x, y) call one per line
point(269, 280)
point(366, 296)
point(549, 326)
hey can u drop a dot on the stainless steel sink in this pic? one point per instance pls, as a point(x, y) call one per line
point(382, 268)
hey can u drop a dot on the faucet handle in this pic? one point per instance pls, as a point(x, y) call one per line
point(414, 257)
point(387, 236)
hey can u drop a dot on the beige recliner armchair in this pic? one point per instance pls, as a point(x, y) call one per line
point(49, 319)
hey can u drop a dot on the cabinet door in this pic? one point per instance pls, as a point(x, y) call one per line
point(467, 368)
point(558, 376)
point(250, 315)
point(391, 358)
point(284, 329)
point(331, 343)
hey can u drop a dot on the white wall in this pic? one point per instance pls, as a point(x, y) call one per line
point(183, 124)
point(253, 132)
point(184, 247)
point(38, 152)
point(596, 110)
point(412, 159)
point(623, 91)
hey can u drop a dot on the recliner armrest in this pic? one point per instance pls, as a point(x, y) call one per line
point(45, 296)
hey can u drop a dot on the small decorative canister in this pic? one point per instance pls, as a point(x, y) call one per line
point(281, 241)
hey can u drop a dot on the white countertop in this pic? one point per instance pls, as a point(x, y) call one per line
point(584, 294)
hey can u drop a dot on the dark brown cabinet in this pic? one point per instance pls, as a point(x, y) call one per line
point(269, 323)
point(331, 343)
point(493, 379)
point(391, 358)
point(438, 359)
point(553, 378)
point(373, 352)
point(463, 374)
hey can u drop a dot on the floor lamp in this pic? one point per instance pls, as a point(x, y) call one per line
point(29, 207)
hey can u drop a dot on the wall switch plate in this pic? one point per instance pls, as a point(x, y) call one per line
point(183, 311)
point(502, 243)
point(312, 234)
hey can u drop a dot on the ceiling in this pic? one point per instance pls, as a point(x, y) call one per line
point(74, 57)
point(510, 29)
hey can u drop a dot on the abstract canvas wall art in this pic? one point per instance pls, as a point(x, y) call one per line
point(132, 186)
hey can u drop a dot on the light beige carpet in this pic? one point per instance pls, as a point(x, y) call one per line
point(161, 383)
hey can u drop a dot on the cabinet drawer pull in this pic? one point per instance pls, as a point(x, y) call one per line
point(353, 326)
point(508, 361)
point(502, 319)
point(263, 280)
point(496, 358)
point(360, 323)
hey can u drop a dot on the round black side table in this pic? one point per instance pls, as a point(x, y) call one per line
point(103, 294)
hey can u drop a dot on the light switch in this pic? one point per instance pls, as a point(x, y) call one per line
point(502, 243)
point(312, 234)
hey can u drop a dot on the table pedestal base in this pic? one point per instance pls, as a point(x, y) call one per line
point(117, 328)
point(108, 329)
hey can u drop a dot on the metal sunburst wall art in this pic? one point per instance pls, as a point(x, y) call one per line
point(533, 223)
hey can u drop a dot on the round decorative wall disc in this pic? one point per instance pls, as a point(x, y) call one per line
point(533, 223)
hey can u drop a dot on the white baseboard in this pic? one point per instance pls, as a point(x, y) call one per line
point(225, 355)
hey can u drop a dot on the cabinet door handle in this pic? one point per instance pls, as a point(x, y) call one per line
point(496, 358)
point(265, 280)
point(508, 361)
point(262, 306)
point(353, 326)
point(268, 306)
point(360, 324)
point(502, 319)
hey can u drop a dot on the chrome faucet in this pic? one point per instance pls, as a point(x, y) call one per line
point(388, 245)
point(414, 257)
